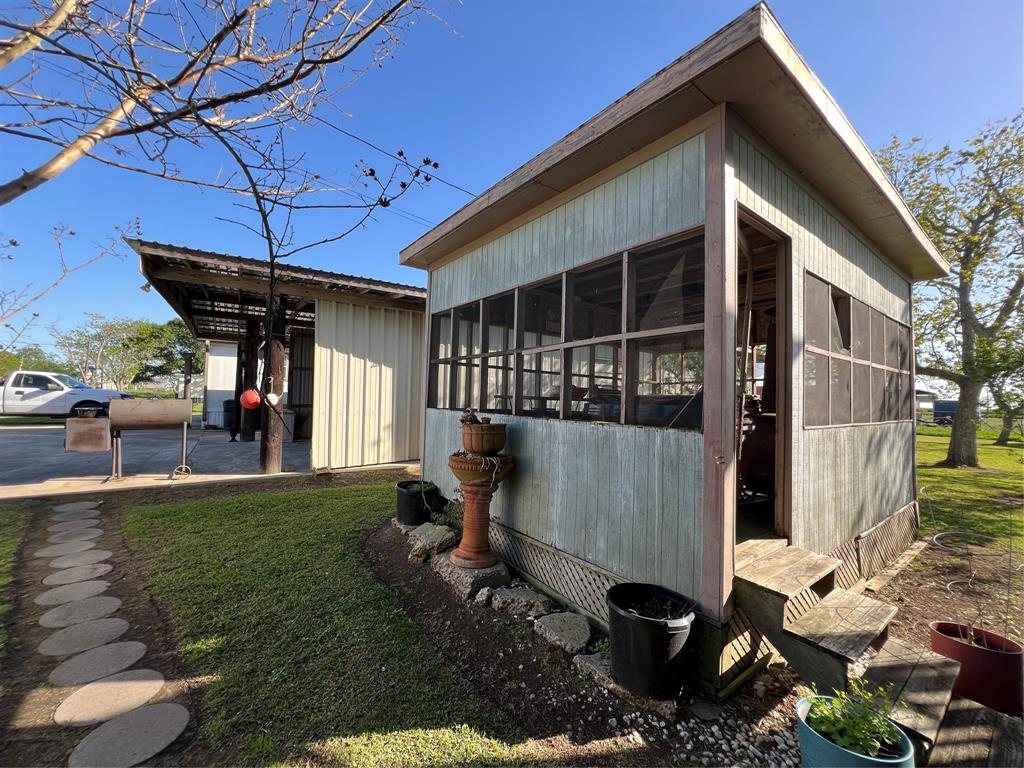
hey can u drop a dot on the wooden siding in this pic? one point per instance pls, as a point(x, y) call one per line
point(368, 396)
point(627, 499)
point(845, 479)
point(665, 194)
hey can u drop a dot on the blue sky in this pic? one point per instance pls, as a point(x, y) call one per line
point(495, 84)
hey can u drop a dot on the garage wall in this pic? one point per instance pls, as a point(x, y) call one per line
point(367, 390)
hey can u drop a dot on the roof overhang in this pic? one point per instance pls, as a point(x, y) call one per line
point(752, 66)
point(217, 295)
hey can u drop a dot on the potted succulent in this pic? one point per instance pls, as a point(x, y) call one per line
point(851, 729)
point(647, 628)
point(414, 500)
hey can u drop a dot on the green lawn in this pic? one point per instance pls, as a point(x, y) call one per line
point(12, 526)
point(308, 657)
point(18, 421)
point(985, 501)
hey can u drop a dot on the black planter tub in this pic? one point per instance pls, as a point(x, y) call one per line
point(414, 499)
point(647, 649)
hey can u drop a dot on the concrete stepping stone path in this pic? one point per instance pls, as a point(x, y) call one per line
point(78, 573)
point(82, 534)
point(79, 611)
point(71, 525)
point(88, 557)
point(77, 591)
point(132, 731)
point(97, 663)
point(82, 637)
point(76, 506)
point(68, 548)
point(112, 696)
point(131, 738)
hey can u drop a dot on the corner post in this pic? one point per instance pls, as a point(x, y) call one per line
point(719, 515)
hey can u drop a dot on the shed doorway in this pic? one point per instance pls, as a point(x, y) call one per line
point(761, 391)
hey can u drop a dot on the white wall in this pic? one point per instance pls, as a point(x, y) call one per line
point(367, 385)
point(221, 362)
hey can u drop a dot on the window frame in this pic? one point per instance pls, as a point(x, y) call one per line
point(565, 344)
point(850, 357)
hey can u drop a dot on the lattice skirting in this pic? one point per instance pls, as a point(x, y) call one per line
point(880, 545)
point(575, 581)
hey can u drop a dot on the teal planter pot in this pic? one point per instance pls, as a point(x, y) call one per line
point(818, 752)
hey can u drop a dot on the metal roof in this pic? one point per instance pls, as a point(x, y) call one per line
point(216, 294)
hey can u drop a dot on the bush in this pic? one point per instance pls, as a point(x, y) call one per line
point(857, 719)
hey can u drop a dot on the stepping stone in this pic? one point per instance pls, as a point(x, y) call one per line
point(82, 637)
point(130, 739)
point(82, 534)
point(520, 601)
point(76, 506)
point(78, 573)
point(68, 548)
point(568, 632)
point(72, 525)
point(81, 558)
point(97, 663)
point(107, 698)
point(79, 611)
point(69, 516)
point(77, 591)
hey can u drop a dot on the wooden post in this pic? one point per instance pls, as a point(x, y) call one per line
point(250, 353)
point(273, 382)
point(719, 518)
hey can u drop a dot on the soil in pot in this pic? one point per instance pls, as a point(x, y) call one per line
point(648, 627)
point(816, 751)
point(414, 500)
point(991, 666)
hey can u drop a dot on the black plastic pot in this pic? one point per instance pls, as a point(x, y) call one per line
point(647, 652)
point(415, 498)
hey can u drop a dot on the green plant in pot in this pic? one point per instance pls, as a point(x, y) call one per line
point(850, 729)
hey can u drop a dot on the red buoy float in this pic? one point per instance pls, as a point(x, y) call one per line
point(250, 399)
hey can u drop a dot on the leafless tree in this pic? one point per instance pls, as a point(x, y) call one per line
point(16, 303)
point(127, 82)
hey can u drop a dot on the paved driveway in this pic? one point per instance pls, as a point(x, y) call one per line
point(34, 456)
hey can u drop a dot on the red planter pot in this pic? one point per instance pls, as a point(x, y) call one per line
point(991, 673)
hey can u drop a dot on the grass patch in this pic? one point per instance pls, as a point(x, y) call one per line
point(13, 521)
point(22, 421)
point(987, 501)
point(309, 657)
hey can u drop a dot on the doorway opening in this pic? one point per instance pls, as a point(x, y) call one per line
point(761, 426)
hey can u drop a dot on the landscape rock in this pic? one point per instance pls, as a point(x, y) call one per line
point(483, 597)
point(598, 666)
point(402, 527)
point(705, 710)
point(467, 582)
point(429, 540)
point(520, 601)
point(569, 632)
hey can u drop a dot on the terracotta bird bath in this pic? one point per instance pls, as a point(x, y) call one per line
point(479, 474)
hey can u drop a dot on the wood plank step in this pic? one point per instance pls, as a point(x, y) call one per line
point(789, 571)
point(843, 624)
point(974, 735)
point(754, 549)
point(922, 687)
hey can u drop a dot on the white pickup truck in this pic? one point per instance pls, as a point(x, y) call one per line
point(40, 393)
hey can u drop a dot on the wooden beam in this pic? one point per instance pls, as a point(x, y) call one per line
point(719, 515)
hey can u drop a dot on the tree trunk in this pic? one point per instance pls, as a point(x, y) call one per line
point(250, 351)
point(963, 443)
point(273, 381)
point(1006, 431)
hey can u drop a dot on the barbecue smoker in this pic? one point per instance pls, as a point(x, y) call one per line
point(153, 413)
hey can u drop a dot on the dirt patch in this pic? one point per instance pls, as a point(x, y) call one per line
point(573, 721)
point(940, 586)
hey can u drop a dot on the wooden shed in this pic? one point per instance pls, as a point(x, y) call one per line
point(355, 346)
point(694, 313)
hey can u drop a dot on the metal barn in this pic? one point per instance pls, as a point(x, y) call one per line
point(694, 313)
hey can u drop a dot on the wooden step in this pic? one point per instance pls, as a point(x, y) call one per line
point(922, 687)
point(973, 736)
point(844, 624)
point(754, 549)
point(789, 571)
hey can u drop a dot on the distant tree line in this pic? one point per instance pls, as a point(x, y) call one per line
point(113, 352)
